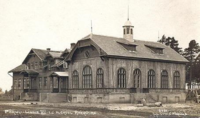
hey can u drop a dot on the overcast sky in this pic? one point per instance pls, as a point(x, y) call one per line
point(26, 24)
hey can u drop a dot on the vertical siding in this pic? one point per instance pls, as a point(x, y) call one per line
point(144, 66)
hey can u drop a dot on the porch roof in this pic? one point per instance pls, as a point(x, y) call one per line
point(32, 72)
point(60, 74)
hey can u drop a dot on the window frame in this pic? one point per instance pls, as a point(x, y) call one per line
point(40, 82)
point(137, 74)
point(164, 79)
point(100, 78)
point(87, 77)
point(75, 83)
point(121, 78)
point(45, 81)
point(176, 80)
point(151, 79)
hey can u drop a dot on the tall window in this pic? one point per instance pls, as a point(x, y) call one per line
point(45, 81)
point(75, 79)
point(121, 78)
point(151, 79)
point(40, 82)
point(19, 83)
point(28, 66)
point(87, 77)
point(100, 78)
point(32, 65)
point(136, 78)
point(41, 64)
point(131, 31)
point(124, 31)
point(176, 83)
point(15, 84)
point(36, 65)
point(164, 79)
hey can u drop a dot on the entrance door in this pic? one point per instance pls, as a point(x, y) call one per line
point(137, 80)
point(33, 83)
point(63, 84)
point(55, 84)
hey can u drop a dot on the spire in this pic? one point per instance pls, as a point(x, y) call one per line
point(128, 12)
point(91, 26)
point(91, 30)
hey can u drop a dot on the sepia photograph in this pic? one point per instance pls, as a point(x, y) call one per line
point(100, 59)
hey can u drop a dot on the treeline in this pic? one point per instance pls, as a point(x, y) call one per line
point(191, 53)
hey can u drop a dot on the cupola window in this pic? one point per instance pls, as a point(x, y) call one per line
point(128, 30)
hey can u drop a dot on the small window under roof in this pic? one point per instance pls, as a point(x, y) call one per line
point(129, 47)
point(156, 50)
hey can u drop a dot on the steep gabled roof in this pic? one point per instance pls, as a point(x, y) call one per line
point(66, 51)
point(42, 54)
point(55, 54)
point(18, 68)
point(112, 47)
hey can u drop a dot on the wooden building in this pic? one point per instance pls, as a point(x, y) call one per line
point(104, 69)
point(42, 71)
point(108, 69)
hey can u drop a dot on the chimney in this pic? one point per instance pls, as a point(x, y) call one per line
point(48, 49)
point(72, 45)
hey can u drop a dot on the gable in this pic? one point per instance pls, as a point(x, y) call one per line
point(85, 53)
point(35, 53)
point(85, 49)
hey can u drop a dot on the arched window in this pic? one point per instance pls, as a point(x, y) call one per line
point(164, 79)
point(151, 79)
point(100, 78)
point(75, 79)
point(176, 80)
point(136, 78)
point(121, 78)
point(124, 31)
point(87, 77)
point(131, 31)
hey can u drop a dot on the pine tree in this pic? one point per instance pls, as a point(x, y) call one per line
point(189, 53)
point(172, 42)
point(162, 40)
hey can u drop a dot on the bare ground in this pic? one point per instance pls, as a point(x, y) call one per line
point(80, 110)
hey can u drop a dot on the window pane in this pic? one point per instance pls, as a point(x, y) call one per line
point(87, 77)
point(151, 79)
point(121, 78)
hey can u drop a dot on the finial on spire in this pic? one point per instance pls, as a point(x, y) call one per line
point(158, 36)
point(128, 12)
point(91, 26)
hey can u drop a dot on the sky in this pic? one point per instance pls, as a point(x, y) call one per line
point(26, 24)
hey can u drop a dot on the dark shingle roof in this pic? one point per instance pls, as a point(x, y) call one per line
point(111, 46)
point(18, 68)
point(42, 54)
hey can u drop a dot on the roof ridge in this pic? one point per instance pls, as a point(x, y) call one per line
point(47, 50)
point(108, 36)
